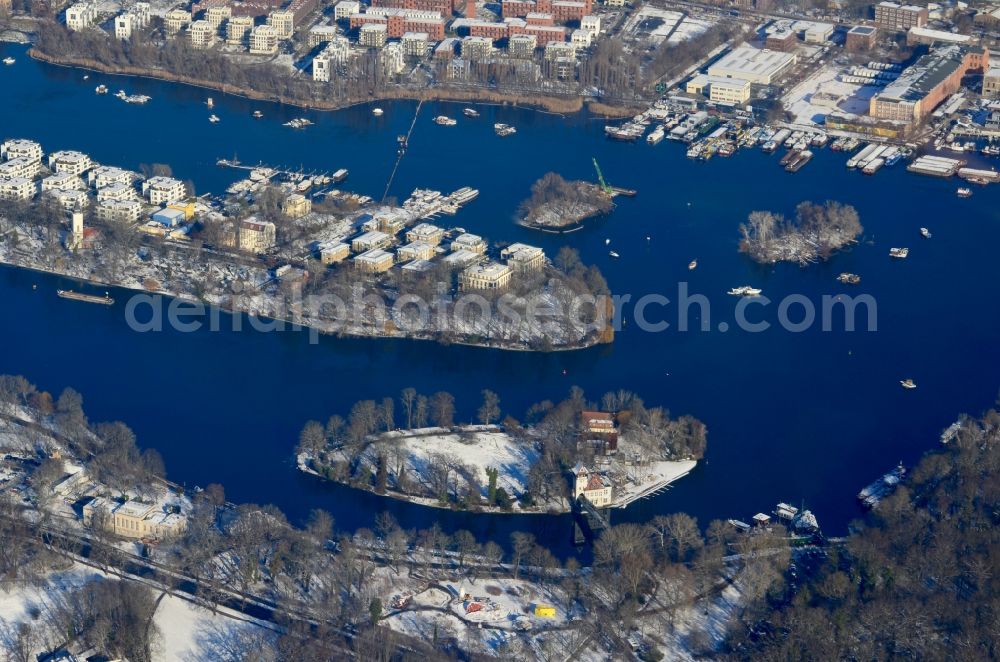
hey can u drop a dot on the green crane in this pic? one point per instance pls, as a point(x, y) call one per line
point(600, 178)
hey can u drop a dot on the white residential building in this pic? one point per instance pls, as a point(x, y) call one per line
point(469, 242)
point(392, 58)
point(595, 487)
point(70, 161)
point(523, 258)
point(581, 38)
point(126, 211)
point(116, 191)
point(163, 190)
point(264, 40)
point(218, 15)
point(68, 200)
point(321, 34)
point(202, 34)
point(124, 24)
point(344, 9)
point(238, 30)
point(17, 188)
point(29, 149)
point(372, 35)
point(415, 44)
point(175, 20)
point(522, 45)
point(81, 15)
point(476, 48)
point(64, 181)
point(21, 166)
point(591, 24)
point(102, 176)
point(283, 21)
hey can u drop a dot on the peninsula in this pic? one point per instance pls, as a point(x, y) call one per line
point(610, 454)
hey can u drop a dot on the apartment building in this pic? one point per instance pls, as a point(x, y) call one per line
point(116, 191)
point(218, 15)
point(123, 211)
point(175, 20)
point(415, 250)
point(264, 40)
point(257, 236)
point(17, 188)
point(522, 45)
point(375, 261)
point(64, 181)
point(102, 176)
point(344, 9)
point(238, 30)
point(69, 161)
point(202, 34)
point(895, 16)
point(28, 149)
point(81, 15)
point(370, 240)
point(283, 22)
point(372, 35)
point(523, 258)
point(469, 242)
point(415, 44)
point(425, 232)
point(163, 190)
point(485, 276)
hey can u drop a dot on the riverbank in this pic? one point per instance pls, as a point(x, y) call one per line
point(552, 104)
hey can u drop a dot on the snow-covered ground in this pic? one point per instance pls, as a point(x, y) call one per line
point(188, 633)
point(654, 24)
point(822, 93)
point(641, 481)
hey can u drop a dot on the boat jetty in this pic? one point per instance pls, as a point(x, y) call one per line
point(881, 488)
point(105, 300)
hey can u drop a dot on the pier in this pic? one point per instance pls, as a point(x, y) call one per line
point(402, 150)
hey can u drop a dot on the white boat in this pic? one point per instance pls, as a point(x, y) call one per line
point(377, 112)
point(899, 253)
point(470, 112)
point(210, 103)
point(613, 254)
point(907, 383)
point(444, 120)
point(101, 89)
point(504, 130)
point(849, 279)
point(9, 61)
point(607, 241)
point(213, 119)
point(692, 265)
point(925, 233)
point(744, 291)
point(257, 114)
point(964, 192)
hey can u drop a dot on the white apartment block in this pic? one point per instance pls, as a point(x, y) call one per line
point(264, 40)
point(321, 34)
point(581, 38)
point(142, 13)
point(124, 24)
point(175, 20)
point(216, 16)
point(476, 48)
point(591, 24)
point(68, 200)
point(415, 44)
point(202, 34)
point(238, 30)
point(344, 9)
point(126, 211)
point(116, 191)
point(163, 190)
point(17, 188)
point(70, 161)
point(392, 59)
point(372, 35)
point(28, 149)
point(80, 16)
point(64, 181)
point(20, 166)
point(322, 66)
point(522, 45)
point(102, 176)
point(283, 21)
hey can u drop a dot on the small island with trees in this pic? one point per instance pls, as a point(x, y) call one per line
point(816, 232)
point(558, 205)
point(499, 464)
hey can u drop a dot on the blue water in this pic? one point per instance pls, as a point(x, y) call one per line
point(804, 417)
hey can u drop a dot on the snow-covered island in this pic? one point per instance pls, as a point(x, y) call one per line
point(612, 458)
point(816, 232)
point(558, 205)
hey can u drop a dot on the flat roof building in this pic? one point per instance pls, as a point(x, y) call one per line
point(163, 190)
point(375, 261)
point(523, 258)
point(102, 176)
point(469, 242)
point(860, 38)
point(17, 188)
point(426, 232)
point(257, 236)
point(125, 211)
point(70, 161)
point(415, 250)
point(29, 149)
point(370, 240)
point(116, 191)
point(752, 64)
point(895, 16)
point(486, 276)
point(264, 40)
point(202, 34)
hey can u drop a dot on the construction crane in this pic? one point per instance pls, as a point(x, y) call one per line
point(600, 178)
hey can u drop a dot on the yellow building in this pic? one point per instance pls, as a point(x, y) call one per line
point(545, 611)
point(256, 236)
point(336, 253)
point(595, 487)
point(375, 261)
point(133, 519)
point(297, 205)
point(487, 276)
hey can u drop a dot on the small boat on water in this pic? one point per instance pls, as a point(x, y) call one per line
point(257, 114)
point(899, 253)
point(692, 265)
point(744, 291)
point(377, 112)
point(849, 279)
point(101, 89)
point(470, 112)
point(298, 123)
point(444, 120)
point(210, 103)
point(607, 241)
point(907, 383)
point(9, 61)
point(105, 300)
point(964, 192)
point(213, 119)
point(504, 130)
point(613, 254)
point(925, 233)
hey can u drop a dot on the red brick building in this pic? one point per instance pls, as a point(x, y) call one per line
point(860, 38)
point(442, 7)
point(561, 10)
point(398, 24)
point(599, 429)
